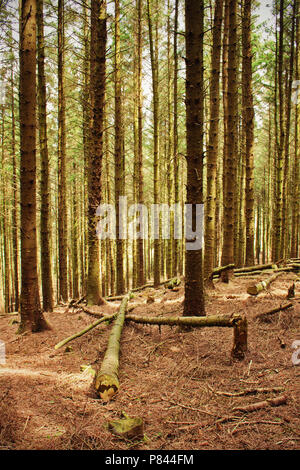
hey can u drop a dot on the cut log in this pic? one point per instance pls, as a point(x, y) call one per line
point(213, 320)
point(116, 297)
point(175, 281)
point(223, 272)
point(286, 269)
point(107, 381)
point(248, 273)
point(255, 289)
point(85, 330)
point(295, 266)
point(218, 271)
point(238, 322)
point(258, 267)
point(264, 315)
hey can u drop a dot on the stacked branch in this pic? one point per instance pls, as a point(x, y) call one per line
point(107, 381)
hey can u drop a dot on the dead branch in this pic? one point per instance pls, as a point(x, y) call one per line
point(282, 400)
point(85, 330)
point(263, 315)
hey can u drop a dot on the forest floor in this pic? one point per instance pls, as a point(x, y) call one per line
point(170, 379)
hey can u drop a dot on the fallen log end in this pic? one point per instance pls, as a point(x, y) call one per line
point(252, 290)
point(106, 386)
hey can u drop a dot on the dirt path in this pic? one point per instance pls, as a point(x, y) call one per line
point(172, 380)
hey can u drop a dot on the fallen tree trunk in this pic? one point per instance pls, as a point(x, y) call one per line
point(286, 269)
point(116, 297)
point(85, 330)
point(295, 266)
point(257, 267)
point(250, 273)
point(173, 281)
point(274, 310)
point(218, 271)
point(237, 322)
point(107, 381)
point(255, 289)
point(223, 272)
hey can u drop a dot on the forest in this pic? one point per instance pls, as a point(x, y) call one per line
point(149, 225)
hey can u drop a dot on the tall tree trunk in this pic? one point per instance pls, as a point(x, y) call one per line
point(46, 273)
point(225, 103)
point(140, 243)
point(231, 141)
point(15, 189)
point(194, 31)
point(286, 172)
point(212, 152)
point(176, 248)
point(119, 155)
point(4, 221)
point(296, 163)
point(280, 144)
point(86, 115)
point(154, 69)
point(74, 235)
point(62, 187)
point(138, 262)
point(32, 318)
point(169, 150)
point(98, 81)
point(248, 129)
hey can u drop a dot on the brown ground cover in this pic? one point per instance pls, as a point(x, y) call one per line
point(174, 381)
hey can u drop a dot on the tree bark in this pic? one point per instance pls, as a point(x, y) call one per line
point(119, 154)
point(107, 381)
point(154, 70)
point(194, 24)
point(248, 129)
point(231, 140)
point(32, 318)
point(98, 80)
point(46, 273)
point(212, 152)
point(62, 188)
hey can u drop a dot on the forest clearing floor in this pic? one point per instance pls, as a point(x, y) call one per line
point(172, 380)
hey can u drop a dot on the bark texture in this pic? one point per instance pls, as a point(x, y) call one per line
point(32, 318)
